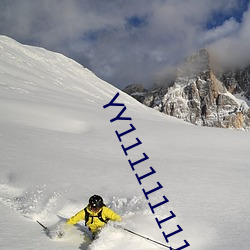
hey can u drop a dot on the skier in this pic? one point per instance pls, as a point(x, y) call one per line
point(95, 214)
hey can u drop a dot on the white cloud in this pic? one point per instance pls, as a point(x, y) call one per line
point(233, 50)
point(228, 28)
point(97, 32)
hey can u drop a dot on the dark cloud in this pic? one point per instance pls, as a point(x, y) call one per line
point(125, 42)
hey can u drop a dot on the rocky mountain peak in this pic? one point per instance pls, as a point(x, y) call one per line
point(200, 96)
point(196, 64)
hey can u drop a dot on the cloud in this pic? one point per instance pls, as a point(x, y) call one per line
point(233, 48)
point(228, 28)
point(125, 42)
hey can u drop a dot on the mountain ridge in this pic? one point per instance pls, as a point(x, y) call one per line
point(201, 95)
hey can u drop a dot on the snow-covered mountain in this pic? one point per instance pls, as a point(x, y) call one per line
point(202, 95)
point(58, 147)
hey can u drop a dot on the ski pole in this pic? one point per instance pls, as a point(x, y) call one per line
point(156, 242)
point(45, 228)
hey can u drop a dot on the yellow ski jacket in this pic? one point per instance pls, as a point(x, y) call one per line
point(94, 223)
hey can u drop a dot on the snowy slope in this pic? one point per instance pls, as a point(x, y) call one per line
point(58, 147)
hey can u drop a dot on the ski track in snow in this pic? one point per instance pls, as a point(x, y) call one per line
point(38, 204)
point(41, 204)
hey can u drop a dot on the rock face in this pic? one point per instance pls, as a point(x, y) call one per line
point(136, 90)
point(237, 81)
point(201, 97)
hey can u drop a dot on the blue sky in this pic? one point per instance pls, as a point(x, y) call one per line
point(136, 41)
point(218, 17)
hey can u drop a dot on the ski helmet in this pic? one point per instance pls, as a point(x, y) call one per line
point(95, 202)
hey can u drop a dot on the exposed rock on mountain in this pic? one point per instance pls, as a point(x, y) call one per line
point(136, 90)
point(237, 81)
point(199, 96)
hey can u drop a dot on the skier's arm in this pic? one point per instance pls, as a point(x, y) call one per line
point(110, 214)
point(77, 217)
